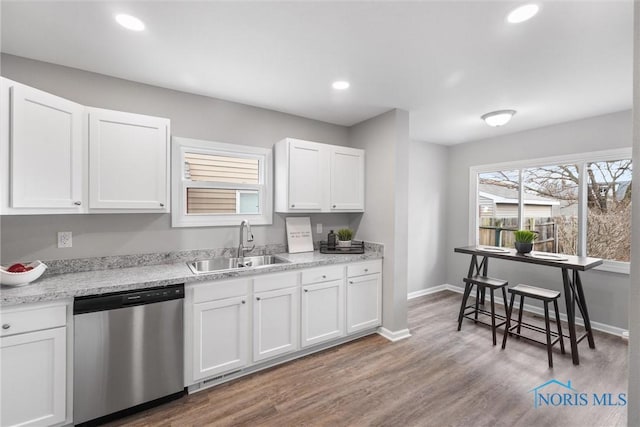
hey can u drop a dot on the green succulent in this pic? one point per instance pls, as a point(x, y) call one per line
point(525, 236)
point(344, 234)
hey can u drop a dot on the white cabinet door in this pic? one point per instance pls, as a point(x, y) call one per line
point(220, 334)
point(347, 179)
point(307, 175)
point(275, 323)
point(34, 379)
point(46, 151)
point(322, 312)
point(364, 302)
point(128, 161)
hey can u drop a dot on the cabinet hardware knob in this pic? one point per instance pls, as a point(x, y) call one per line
point(334, 206)
point(366, 269)
point(77, 203)
point(6, 326)
point(351, 281)
point(162, 205)
point(306, 290)
point(257, 298)
point(293, 206)
point(244, 302)
point(324, 276)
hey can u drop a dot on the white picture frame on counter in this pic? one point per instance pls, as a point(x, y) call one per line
point(299, 237)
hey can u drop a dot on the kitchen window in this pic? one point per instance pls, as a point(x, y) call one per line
point(577, 205)
point(218, 184)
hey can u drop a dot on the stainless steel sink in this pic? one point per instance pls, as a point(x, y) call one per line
point(218, 264)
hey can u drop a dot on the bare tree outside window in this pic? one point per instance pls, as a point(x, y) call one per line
point(550, 203)
point(609, 210)
point(551, 207)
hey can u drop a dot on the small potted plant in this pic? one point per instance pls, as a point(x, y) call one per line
point(344, 237)
point(524, 241)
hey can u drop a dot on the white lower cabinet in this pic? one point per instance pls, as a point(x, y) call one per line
point(220, 336)
point(275, 323)
point(34, 368)
point(364, 296)
point(364, 305)
point(247, 323)
point(322, 312)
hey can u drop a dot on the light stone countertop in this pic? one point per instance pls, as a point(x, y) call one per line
point(69, 285)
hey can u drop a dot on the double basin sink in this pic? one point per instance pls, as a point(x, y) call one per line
point(222, 263)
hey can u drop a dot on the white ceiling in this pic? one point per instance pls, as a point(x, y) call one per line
point(447, 62)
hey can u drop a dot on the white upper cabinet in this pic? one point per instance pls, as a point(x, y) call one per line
point(306, 176)
point(57, 156)
point(314, 177)
point(42, 145)
point(347, 179)
point(128, 161)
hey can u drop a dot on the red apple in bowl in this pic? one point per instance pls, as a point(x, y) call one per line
point(17, 268)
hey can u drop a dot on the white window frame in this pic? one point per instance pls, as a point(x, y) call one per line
point(581, 161)
point(179, 184)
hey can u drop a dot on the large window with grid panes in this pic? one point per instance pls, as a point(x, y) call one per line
point(576, 205)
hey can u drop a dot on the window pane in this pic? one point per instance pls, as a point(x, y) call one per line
point(551, 207)
point(222, 201)
point(210, 200)
point(249, 202)
point(609, 210)
point(214, 168)
point(498, 207)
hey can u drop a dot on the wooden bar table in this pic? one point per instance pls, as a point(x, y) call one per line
point(571, 267)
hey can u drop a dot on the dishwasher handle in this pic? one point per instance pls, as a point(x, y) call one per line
point(115, 300)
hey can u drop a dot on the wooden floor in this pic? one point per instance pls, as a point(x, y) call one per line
point(438, 377)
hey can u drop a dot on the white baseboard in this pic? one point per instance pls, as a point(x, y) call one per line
point(394, 336)
point(428, 291)
point(596, 326)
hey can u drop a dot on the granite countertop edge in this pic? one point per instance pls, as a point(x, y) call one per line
point(70, 285)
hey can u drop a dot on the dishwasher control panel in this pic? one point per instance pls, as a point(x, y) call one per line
point(115, 300)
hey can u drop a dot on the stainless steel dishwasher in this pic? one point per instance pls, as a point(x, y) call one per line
point(128, 352)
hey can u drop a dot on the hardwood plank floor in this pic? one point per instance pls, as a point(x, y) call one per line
point(438, 377)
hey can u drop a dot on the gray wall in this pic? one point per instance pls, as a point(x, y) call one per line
point(193, 116)
point(386, 140)
point(607, 293)
point(427, 215)
point(633, 414)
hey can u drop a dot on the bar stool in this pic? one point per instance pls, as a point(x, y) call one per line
point(482, 283)
point(540, 294)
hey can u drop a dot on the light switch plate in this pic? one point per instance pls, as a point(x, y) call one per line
point(319, 228)
point(65, 239)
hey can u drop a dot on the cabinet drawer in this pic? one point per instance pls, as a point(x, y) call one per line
point(322, 274)
point(32, 319)
point(272, 282)
point(363, 268)
point(215, 290)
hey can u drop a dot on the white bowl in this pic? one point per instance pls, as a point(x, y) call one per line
point(18, 279)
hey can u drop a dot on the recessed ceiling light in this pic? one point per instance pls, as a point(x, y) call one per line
point(130, 22)
point(523, 13)
point(341, 85)
point(498, 118)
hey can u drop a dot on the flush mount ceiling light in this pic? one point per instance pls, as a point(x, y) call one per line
point(498, 118)
point(130, 22)
point(523, 13)
point(340, 85)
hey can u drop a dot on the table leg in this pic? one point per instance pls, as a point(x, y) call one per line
point(571, 318)
point(582, 303)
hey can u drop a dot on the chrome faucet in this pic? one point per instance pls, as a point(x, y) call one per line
point(241, 248)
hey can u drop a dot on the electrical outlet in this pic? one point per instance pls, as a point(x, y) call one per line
point(319, 228)
point(65, 239)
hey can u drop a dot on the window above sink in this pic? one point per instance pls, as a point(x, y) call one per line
point(218, 184)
